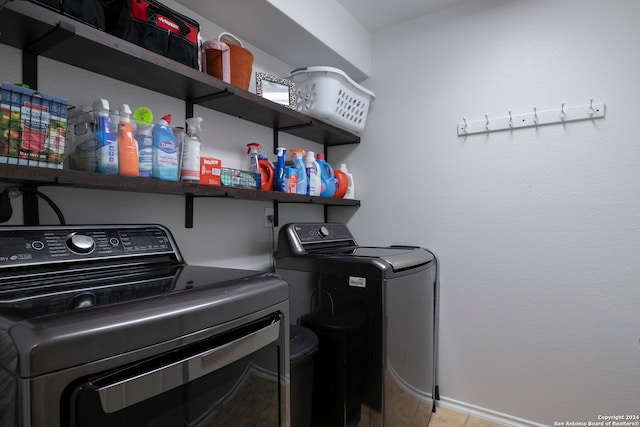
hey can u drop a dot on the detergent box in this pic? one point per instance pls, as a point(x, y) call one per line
point(33, 127)
point(210, 170)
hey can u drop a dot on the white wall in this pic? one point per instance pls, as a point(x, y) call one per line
point(537, 230)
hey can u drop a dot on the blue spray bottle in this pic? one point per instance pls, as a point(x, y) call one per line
point(280, 184)
point(298, 155)
point(107, 144)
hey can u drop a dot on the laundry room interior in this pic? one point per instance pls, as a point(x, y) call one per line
point(535, 227)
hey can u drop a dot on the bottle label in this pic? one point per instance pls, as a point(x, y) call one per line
point(165, 160)
point(107, 147)
point(190, 169)
point(145, 155)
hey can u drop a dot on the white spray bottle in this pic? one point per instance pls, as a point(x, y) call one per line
point(190, 169)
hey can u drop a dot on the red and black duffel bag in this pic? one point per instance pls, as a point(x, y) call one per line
point(154, 26)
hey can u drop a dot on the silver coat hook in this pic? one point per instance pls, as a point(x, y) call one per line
point(562, 113)
point(487, 119)
point(591, 110)
point(510, 119)
point(535, 115)
point(464, 128)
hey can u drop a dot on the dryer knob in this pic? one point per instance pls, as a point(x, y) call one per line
point(80, 243)
point(323, 231)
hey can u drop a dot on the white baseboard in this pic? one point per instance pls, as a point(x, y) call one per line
point(465, 408)
point(485, 414)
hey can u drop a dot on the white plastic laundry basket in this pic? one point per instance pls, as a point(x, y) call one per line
point(329, 94)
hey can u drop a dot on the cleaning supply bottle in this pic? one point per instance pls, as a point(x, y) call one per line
point(127, 146)
point(190, 170)
point(165, 151)
point(280, 182)
point(297, 155)
point(291, 177)
point(351, 186)
point(327, 177)
point(253, 150)
point(314, 184)
point(106, 145)
point(266, 171)
point(144, 139)
point(342, 183)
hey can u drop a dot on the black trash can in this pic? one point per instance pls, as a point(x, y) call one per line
point(303, 346)
point(339, 366)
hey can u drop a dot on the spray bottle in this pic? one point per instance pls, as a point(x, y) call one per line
point(280, 182)
point(144, 139)
point(106, 146)
point(190, 170)
point(253, 150)
point(127, 147)
point(327, 177)
point(297, 155)
point(313, 174)
point(165, 151)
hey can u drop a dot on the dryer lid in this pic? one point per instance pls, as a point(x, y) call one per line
point(398, 257)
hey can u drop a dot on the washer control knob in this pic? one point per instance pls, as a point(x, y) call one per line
point(80, 243)
point(323, 231)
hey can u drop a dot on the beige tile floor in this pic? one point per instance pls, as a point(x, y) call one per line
point(445, 417)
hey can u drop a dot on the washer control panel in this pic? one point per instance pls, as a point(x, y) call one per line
point(22, 246)
point(315, 233)
point(300, 238)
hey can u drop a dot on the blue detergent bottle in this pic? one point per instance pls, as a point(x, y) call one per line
point(280, 184)
point(165, 164)
point(107, 144)
point(327, 177)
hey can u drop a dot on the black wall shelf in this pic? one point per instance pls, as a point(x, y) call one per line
point(39, 31)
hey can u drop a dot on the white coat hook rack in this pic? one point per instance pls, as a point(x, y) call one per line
point(591, 111)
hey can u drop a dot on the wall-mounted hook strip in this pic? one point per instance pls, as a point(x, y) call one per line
point(591, 111)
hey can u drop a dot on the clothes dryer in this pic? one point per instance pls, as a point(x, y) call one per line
point(375, 311)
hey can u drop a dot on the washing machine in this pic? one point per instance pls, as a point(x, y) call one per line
point(375, 311)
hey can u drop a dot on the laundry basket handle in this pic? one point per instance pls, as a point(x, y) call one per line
point(230, 38)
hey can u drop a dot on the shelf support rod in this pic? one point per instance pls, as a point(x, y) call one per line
point(30, 54)
point(276, 140)
point(188, 109)
point(222, 94)
point(31, 215)
point(275, 213)
point(188, 211)
point(63, 31)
